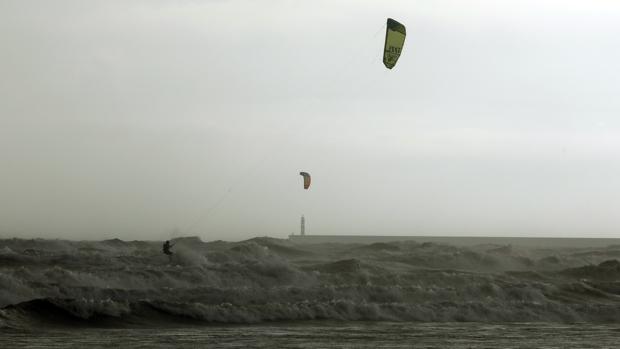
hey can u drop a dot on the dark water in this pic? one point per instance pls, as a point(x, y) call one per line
point(269, 293)
point(329, 335)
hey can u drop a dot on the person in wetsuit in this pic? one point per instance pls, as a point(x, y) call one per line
point(166, 249)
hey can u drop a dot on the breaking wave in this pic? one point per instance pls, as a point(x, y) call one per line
point(114, 283)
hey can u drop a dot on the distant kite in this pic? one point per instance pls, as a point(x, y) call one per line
point(306, 176)
point(394, 40)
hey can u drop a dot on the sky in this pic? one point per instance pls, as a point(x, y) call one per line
point(157, 119)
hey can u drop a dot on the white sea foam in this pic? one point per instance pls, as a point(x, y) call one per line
point(273, 280)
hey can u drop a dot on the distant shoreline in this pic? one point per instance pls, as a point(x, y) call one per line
point(540, 242)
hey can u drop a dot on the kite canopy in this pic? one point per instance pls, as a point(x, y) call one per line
point(306, 176)
point(394, 40)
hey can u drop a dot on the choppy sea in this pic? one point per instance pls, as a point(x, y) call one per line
point(328, 335)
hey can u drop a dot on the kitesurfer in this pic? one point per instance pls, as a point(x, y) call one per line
point(166, 248)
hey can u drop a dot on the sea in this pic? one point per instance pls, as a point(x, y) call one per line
point(327, 335)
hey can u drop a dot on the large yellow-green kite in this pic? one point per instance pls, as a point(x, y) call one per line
point(394, 40)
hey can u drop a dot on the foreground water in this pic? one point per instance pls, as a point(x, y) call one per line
point(271, 293)
point(328, 335)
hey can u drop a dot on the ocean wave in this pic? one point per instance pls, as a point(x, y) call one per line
point(109, 313)
point(117, 283)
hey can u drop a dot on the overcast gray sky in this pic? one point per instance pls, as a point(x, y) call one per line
point(133, 119)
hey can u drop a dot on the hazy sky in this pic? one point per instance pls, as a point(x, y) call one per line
point(134, 119)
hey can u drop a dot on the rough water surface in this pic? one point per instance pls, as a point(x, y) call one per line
point(330, 335)
point(131, 284)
